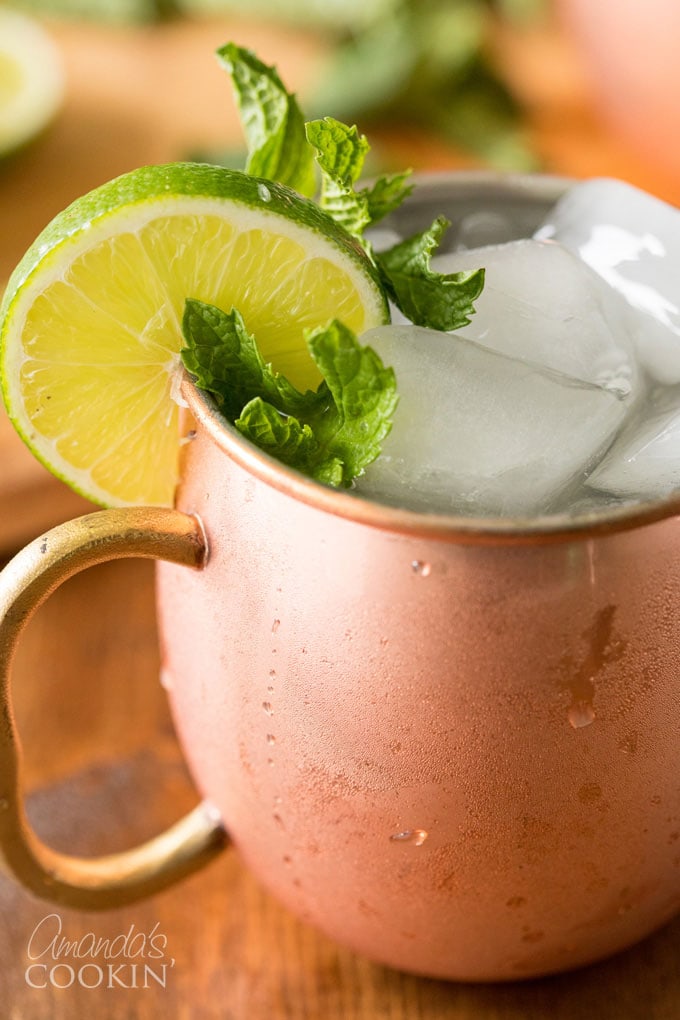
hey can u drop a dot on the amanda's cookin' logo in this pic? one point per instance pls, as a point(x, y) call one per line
point(133, 959)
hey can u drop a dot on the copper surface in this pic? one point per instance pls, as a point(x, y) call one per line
point(458, 759)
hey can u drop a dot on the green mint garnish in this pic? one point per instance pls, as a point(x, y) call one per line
point(226, 361)
point(437, 300)
point(340, 152)
point(332, 433)
point(272, 122)
point(283, 148)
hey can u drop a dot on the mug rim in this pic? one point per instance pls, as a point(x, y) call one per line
point(534, 530)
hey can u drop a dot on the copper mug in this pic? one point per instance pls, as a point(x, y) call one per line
point(451, 744)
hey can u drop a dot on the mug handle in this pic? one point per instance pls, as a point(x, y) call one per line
point(34, 573)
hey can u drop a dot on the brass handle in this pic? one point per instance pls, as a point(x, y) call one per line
point(25, 583)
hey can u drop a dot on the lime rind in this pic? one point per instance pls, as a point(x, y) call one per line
point(153, 184)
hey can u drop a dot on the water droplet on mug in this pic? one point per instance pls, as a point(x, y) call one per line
point(580, 714)
point(271, 739)
point(415, 836)
point(264, 193)
point(189, 437)
point(275, 626)
point(421, 568)
point(166, 679)
point(272, 672)
point(279, 821)
point(4, 804)
point(267, 707)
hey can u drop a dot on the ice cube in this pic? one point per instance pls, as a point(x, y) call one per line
point(644, 461)
point(587, 503)
point(479, 433)
point(633, 241)
point(484, 226)
point(382, 238)
point(542, 304)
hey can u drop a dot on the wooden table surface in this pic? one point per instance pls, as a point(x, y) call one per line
point(102, 765)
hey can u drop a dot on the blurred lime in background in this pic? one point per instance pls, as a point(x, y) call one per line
point(31, 80)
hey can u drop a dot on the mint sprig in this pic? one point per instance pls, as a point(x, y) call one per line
point(225, 360)
point(272, 122)
point(283, 148)
point(332, 433)
point(341, 152)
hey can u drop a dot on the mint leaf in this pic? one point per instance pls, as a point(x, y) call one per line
point(281, 435)
point(363, 396)
point(331, 434)
point(272, 122)
point(438, 300)
point(224, 359)
point(340, 152)
point(387, 194)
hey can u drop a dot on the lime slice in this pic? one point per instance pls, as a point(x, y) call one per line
point(31, 80)
point(90, 323)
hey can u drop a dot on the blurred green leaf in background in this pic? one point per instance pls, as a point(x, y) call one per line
point(112, 11)
point(420, 62)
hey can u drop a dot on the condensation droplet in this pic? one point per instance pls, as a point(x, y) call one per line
point(272, 672)
point(279, 821)
point(271, 739)
point(421, 567)
point(189, 437)
point(415, 836)
point(264, 192)
point(166, 679)
point(267, 707)
point(581, 714)
point(4, 804)
point(275, 626)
